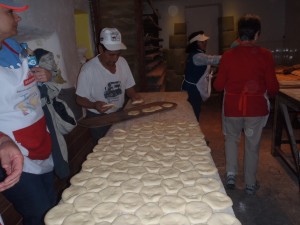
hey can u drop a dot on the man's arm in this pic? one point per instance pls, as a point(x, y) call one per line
point(11, 161)
point(98, 105)
point(131, 93)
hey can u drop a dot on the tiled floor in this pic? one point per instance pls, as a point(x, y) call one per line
point(278, 200)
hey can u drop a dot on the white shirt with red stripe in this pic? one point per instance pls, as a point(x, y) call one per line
point(22, 117)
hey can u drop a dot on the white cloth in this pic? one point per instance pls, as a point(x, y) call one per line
point(1, 221)
point(204, 84)
point(96, 83)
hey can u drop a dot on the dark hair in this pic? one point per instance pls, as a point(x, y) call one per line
point(39, 53)
point(248, 26)
point(103, 48)
point(194, 45)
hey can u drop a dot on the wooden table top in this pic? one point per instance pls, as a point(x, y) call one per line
point(293, 93)
point(288, 80)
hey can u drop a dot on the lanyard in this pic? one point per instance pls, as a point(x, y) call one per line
point(10, 48)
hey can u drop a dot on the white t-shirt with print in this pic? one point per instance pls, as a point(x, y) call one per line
point(96, 83)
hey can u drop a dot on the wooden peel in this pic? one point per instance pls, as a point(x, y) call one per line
point(116, 117)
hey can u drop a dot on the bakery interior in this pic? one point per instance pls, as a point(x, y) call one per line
point(70, 28)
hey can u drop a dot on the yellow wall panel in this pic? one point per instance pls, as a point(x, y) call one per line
point(83, 36)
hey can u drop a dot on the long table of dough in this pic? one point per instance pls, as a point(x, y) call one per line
point(151, 170)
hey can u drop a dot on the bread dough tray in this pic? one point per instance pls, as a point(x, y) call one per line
point(116, 117)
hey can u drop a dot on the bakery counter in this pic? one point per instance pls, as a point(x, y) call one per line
point(155, 169)
point(285, 140)
point(288, 80)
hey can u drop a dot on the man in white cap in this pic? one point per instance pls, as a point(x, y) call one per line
point(23, 126)
point(104, 80)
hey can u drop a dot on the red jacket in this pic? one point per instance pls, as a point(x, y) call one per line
point(246, 74)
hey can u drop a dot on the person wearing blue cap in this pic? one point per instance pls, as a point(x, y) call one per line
point(23, 121)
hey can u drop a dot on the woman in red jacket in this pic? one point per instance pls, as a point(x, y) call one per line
point(247, 76)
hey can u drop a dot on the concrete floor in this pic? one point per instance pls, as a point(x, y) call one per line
point(277, 202)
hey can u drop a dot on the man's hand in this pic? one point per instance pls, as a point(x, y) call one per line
point(103, 106)
point(11, 161)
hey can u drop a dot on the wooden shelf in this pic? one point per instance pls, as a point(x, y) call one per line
point(155, 66)
point(149, 22)
point(153, 55)
point(151, 48)
point(158, 71)
point(157, 84)
point(152, 6)
point(150, 66)
point(150, 39)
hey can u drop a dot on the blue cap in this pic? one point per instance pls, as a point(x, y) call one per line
point(9, 4)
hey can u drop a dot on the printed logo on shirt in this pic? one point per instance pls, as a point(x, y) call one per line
point(29, 97)
point(29, 80)
point(112, 90)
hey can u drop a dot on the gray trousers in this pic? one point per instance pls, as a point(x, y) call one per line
point(232, 129)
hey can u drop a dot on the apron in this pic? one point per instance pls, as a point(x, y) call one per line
point(243, 106)
point(204, 84)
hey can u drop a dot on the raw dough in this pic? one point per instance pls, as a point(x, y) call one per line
point(86, 202)
point(110, 194)
point(168, 172)
point(171, 204)
point(151, 179)
point(116, 178)
point(108, 105)
point(96, 184)
point(70, 193)
point(151, 109)
point(101, 171)
point(217, 200)
point(105, 211)
point(208, 184)
point(206, 169)
point(127, 219)
point(172, 185)
point(199, 159)
point(167, 105)
point(152, 193)
point(183, 165)
point(149, 213)
point(136, 102)
point(130, 202)
point(190, 194)
point(223, 219)
point(80, 178)
point(198, 212)
point(170, 218)
point(133, 113)
point(79, 218)
point(58, 213)
point(189, 178)
point(90, 164)
point(136, 172)
point(132, 185)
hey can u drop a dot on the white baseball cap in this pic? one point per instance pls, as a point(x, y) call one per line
point(199, 37)
point(111, 39)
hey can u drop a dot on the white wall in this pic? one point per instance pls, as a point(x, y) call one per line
point(53, 20)
point(272, 13)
